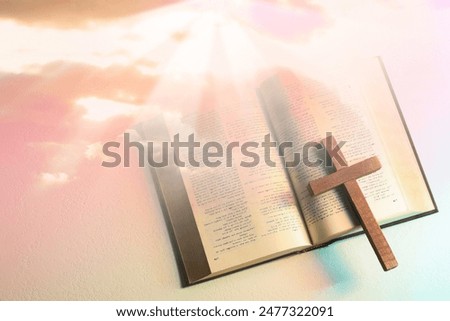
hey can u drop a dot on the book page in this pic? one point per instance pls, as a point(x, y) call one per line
point(243, 214)
point(304, 110)
point(394, 136)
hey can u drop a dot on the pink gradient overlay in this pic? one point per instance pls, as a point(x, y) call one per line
point(74, 76)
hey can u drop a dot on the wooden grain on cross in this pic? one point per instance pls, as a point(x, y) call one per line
point(346, 175)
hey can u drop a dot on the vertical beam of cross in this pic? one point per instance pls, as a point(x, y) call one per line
point(346, 175)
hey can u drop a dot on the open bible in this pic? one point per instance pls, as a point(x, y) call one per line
point(254, 206)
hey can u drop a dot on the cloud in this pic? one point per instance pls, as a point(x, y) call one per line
point(66, 14)
point(179, 36)
point(285, 20)
point(43, 106)
point(97, 109)
point(54, 178)
point(44, 134)
point(93, 151)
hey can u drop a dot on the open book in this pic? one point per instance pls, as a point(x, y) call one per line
point(234, 214)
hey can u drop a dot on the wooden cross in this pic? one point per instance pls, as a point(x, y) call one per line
point(347, 175)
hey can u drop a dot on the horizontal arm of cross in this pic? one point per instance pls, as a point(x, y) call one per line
point(345, 174)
